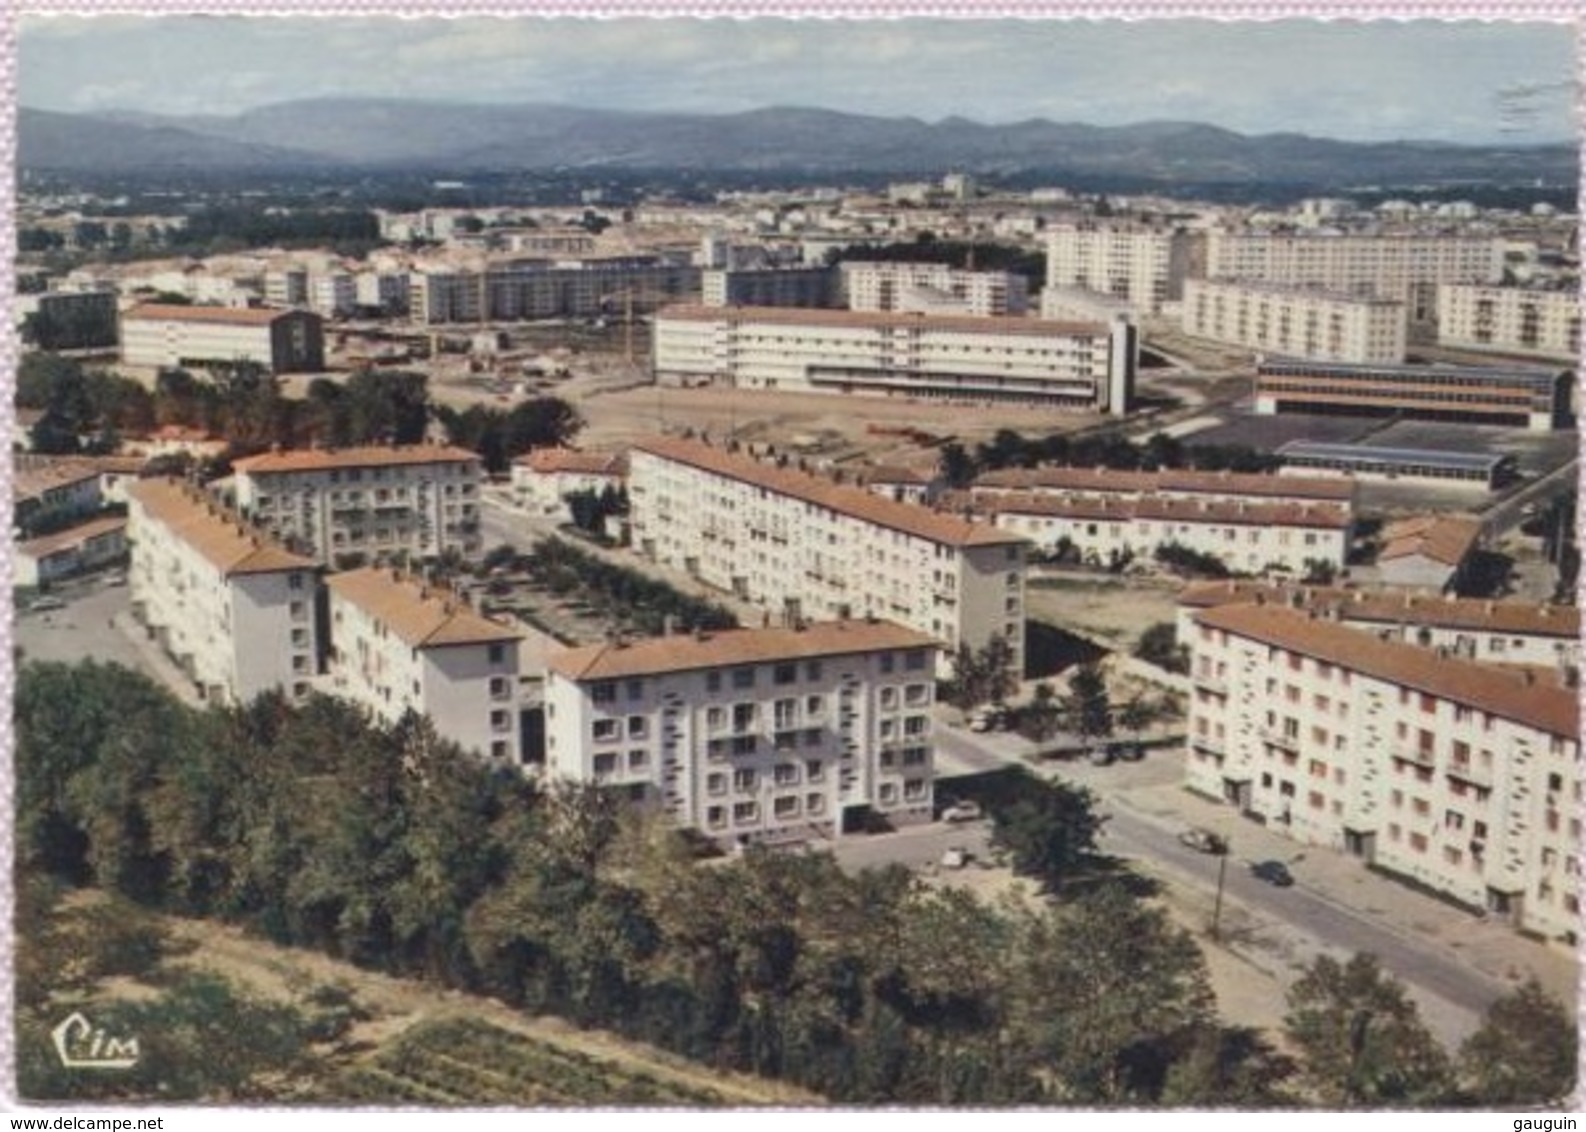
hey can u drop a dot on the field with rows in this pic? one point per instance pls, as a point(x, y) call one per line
point(469, 1062)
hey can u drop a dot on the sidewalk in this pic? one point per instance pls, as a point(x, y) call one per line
point(154, 662)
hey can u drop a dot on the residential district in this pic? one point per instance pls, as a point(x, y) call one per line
point(1288, 492)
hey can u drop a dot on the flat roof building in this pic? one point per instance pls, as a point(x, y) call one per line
point(1299, 322)
point(283, 341)
point(1510, 320)
point(1537, 399)
point(1082, 366)
point(1365, 461)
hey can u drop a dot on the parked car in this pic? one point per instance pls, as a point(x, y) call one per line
point(1129, 752)
point(45, 604)
point(1100, 756)
point(116, 579)
point(955, 858)
point(1273, 872)
point(962, 812)
point(1203, 841)
point(989, 719)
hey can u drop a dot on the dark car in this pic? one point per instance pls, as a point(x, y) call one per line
point(1273, 872)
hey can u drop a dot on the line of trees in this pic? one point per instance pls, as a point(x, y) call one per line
point(631, 596)
point(385, 846)
point(1010, 449)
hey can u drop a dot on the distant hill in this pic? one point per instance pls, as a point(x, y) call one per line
point(386, 133)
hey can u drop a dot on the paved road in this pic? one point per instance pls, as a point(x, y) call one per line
point(1503, 516)
point(1330, 924)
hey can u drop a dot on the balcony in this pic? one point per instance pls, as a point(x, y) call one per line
point(1275, 738)
point(1404, 753)
point(1210, 745)
point(1466, 772)
point(1215, 684)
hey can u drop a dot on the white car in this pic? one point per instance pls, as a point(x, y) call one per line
point(955, 858)
point(962, 812)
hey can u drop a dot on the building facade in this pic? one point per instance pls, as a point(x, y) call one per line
point(200, 337)
point(769, 287)
point(806, 548)
point(1458, 776)
point(87, 546)
point(415, 500)
point(1086, 367)
point(544, 478)
point(69, 320)
point(1296, 321)
point(932, 288)
point(1407, 267)
point(233, 607)
point(1510, 320)
point(1536, 399)
point(1167, 483)
point(753, 735)
point(514, 294)
point(1143, 265)
point(401, 645)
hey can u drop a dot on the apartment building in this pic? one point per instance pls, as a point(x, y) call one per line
point(68, 320)
point(1459, 776)
point(804, 547)
point(1407, 267)
point(753, 735)
point(1427, 552)
point(1063, 304)
point(231, 605)
point(515, 293)
point(61, 554)
point(1146, 266)
point(1167, 483)
point(1246, 537)
point(417, 500)
point(1510, 320)
point(1084, 367)
point(284, 341)
point(400, 645)
point(544, 478)
point(1537, 399)
point(932, 288)
point(769, 287)
point(1298, 322)
point(1479, 629)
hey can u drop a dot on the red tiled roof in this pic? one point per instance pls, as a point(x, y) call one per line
point(367, 456)
point(1127, 509)
point(1110, 481)
point(1441, 538)
point(50, 544)
point(422, 616)
point(857, 502)
point(724, 648)
point(549, 461)
point(217, 535)
point(1519, 696)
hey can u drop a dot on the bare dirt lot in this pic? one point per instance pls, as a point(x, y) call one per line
point(1107, 609)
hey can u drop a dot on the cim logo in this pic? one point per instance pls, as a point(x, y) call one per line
point(81, 1046)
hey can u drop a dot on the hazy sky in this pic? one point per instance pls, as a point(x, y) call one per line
point(1369, 81)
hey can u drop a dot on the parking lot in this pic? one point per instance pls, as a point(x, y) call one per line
point(81, 631)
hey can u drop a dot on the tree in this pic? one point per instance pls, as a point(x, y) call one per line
point(1159, 645)
point(982, 676)
point(1088, 705)
point(1049, 831)
point(1319, 572)
point(1524, 1054)
point(956, 465)
point(1041, 718)
point(1361, 1039)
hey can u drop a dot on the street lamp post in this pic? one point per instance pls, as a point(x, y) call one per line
point(1222, 871)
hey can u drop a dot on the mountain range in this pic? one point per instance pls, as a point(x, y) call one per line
point(385, 134)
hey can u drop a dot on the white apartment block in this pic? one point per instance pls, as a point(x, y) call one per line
point(1404, 267)
point(1296, 321)
point(402, 645)
point(417, 500)
point(1248, 538)
point(1061, 304)
point(1079, 366)
point(544, 478)
point(806, 548)
point(233, 607)
point(752, 735)
point(1510, 320)
point(1167, 483)
point(1459, 776)
point(1144, 266)
point(1479, 629)
point(159, 336)
point(509, 294)
point(334, 295)
point(932, 288)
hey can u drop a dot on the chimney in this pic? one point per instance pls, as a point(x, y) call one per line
point(1568, 676)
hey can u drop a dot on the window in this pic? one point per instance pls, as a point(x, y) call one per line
point(713, 681)
point(915, 789)
point(888, 662)
point(605, 730)
point(716, 816)
point(812, 670)
point(784, 674)
point(744, 812)
point(498, 749)
point(889, 792)
point(299, 638)
point(298, 610)
point(917, 694)
point(716, 783)
point(294, 581)
point(500, 720)
point(914, 660)
point(785, 774)
point(743, 678)
point(814, 770)
point(915, 725)
point(605, 764)
point(814, 804)
point(743, 745)
point(812, 736)
point(715, 718)
point(300, 664)
point(498, 653)
point(742, 717)
point(603, 693)
point(814, 706)
point(745, 779)
point(638, 759)
point(638, 725)
point(635, 689)
point(889, 698)
point(500, 687)
point(786, 806)
point(785, 712)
